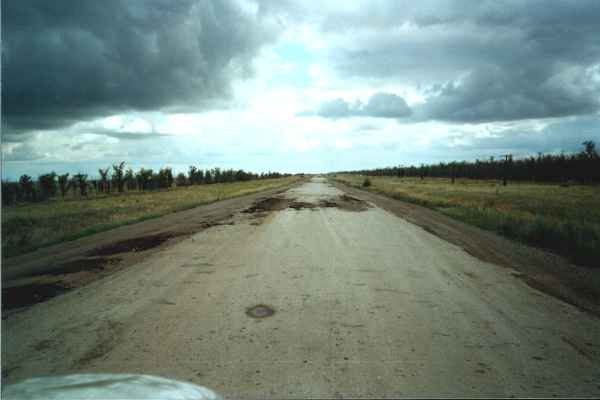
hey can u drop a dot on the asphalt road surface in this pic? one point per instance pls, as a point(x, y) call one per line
point(352, 302)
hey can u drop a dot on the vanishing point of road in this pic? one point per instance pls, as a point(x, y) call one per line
point(363, 303)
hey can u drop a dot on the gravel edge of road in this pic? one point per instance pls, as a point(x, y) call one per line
point(540, 269)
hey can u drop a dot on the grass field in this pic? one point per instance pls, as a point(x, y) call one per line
point(563, 219)
point(30, 226)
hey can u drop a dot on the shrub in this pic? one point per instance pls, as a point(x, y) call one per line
point(366, 182)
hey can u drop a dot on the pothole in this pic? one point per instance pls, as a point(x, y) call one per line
point(260, 311)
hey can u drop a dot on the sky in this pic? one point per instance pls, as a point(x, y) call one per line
point(294, 86)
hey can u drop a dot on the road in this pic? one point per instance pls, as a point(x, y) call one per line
point(365, 304)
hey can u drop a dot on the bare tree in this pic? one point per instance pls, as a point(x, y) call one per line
point(104, 185)
point(26, 184)
point(63, 183)
point(80, 180)
point(130, 179)
point(118, 176)
point(47, 185)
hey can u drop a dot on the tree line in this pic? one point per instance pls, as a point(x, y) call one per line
point(582, 167)
point(117, 179)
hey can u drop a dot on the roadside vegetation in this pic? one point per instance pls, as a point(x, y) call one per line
point(116, 179)
point(561, 214)
point(87, 208)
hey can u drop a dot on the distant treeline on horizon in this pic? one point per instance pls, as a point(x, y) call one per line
point(116, 179)
point(582, 167)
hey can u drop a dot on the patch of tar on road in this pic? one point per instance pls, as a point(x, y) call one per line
point(197, 265)
point(299, 205)
point(585, 352)
point(30, 294)
point(268, 204)
point(135, 244)
point(369, 270)
point(391, 290)
point(55, 281)
point(343, 202)
point(352, 325)
point(83, 264)
point(43, 345)
point(260, 311)
point(7, 371)
point(470, 274)
point(109, 334)
point(346, 203)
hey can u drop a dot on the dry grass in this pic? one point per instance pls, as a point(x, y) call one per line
point(563, 219)
point(31, 226)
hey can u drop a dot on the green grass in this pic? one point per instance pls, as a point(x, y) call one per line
point(30, 226)
point(563, 219)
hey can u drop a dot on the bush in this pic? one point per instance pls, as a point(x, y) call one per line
point(366, 182)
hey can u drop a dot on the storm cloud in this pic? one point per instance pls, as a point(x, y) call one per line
point(489, 60)
point(65, 61)
point(215, 82)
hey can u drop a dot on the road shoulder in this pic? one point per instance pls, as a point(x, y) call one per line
point(540, 269)
point(46, 272)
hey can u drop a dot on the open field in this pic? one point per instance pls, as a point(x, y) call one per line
point(31, 226)
point(562, 219)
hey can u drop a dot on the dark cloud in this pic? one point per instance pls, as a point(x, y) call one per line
point(495, 94)
point(21, 152)
point(561, 135)
point(64, 61)
point(496, 60)
point(380, 105)
point(121, 135)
